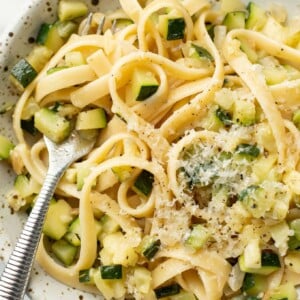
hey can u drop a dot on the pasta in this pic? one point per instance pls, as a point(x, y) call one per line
point(192, 189)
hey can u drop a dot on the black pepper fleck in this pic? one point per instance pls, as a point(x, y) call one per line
point(95, 2)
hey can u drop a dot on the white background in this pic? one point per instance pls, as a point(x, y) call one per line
point(8, 11)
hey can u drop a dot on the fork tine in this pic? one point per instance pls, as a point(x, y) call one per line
point(114, 26)
point(87, 24)
point(101, 26)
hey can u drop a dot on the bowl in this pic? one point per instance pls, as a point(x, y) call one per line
point(15, 43)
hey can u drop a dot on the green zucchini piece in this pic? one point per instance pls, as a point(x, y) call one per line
point(51, 124)
point(56, 69)
point(71, 9)
point(28, 125)
point(247, 151)
point(111, 271)
point(200, 52)
point(254, 284)
point(183, 295)
point(285, 291)
point(58, 219)
point(53, 40)
point(91, 119)
point(26, 186)
point(171, 26)
point(235, 20)
point(23, 72)
point(121, 23)
point(39, 56)
point(108, 224)
point(43, 33)
point(72, 238)
point(224, 116)
point(144, 183)
point(296, 118)
point(293, 243)
point(5, 147)
point(74, 58)
point(65, 252)
point(198, 237)
point(144, 84)
point(167, 291)
point(257, 17)
point(152, 249)
point(269, 263)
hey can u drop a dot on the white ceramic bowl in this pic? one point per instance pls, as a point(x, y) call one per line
point(16, 42)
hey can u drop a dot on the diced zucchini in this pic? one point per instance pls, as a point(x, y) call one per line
point(151, 249)
point(5, 147)
point(244, 112)
point(91, 119)
point(235, 20)
point(43, 33)
point(65, 252)
point(82, 173)
point(58, 219)
point(121, 23)
point(38, 57)
point(66, 28)
point(26, 186)
point(123, 172)
point(248, 48)
point(28, 125)
point(254, 284)
point(257, 17)
point(269, 263)
point(199, 52)
point(117, 249)
point(52, 125)
point(263, 166)
point(274, 74)
point(231, 5)
point(296, 118)
point(292, 261)
point(108, 224)
point(167, 291)
point(143, 85)
point(23, 73)
point(198, 237)
point(295, 226)
point(142, 279)
point(211, 121)
point(285, 291)
point(53, 40)
point(74, 58)
point(144, 183)
point(247, 151)
point(71, 9)
point(224, 116)
point(171, 26)
point(73, 234)
point(87, 276)
point(183, 295)
point(111, 272)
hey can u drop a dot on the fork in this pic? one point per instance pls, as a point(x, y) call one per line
point(15, 277)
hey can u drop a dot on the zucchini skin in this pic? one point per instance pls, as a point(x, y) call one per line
point(111, 271)
point(152, 249)
point(166, 291)
point(175, 29)
point(23, 72)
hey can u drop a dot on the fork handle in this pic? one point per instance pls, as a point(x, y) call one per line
point(15, 277)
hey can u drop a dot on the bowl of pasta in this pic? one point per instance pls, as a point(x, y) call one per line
point(192, 188)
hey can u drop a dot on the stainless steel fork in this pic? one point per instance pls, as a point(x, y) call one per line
point(15, 277)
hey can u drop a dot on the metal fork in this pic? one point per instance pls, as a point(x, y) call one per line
point(15, 277)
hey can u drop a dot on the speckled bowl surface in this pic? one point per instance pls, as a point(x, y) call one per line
point(15, 43)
